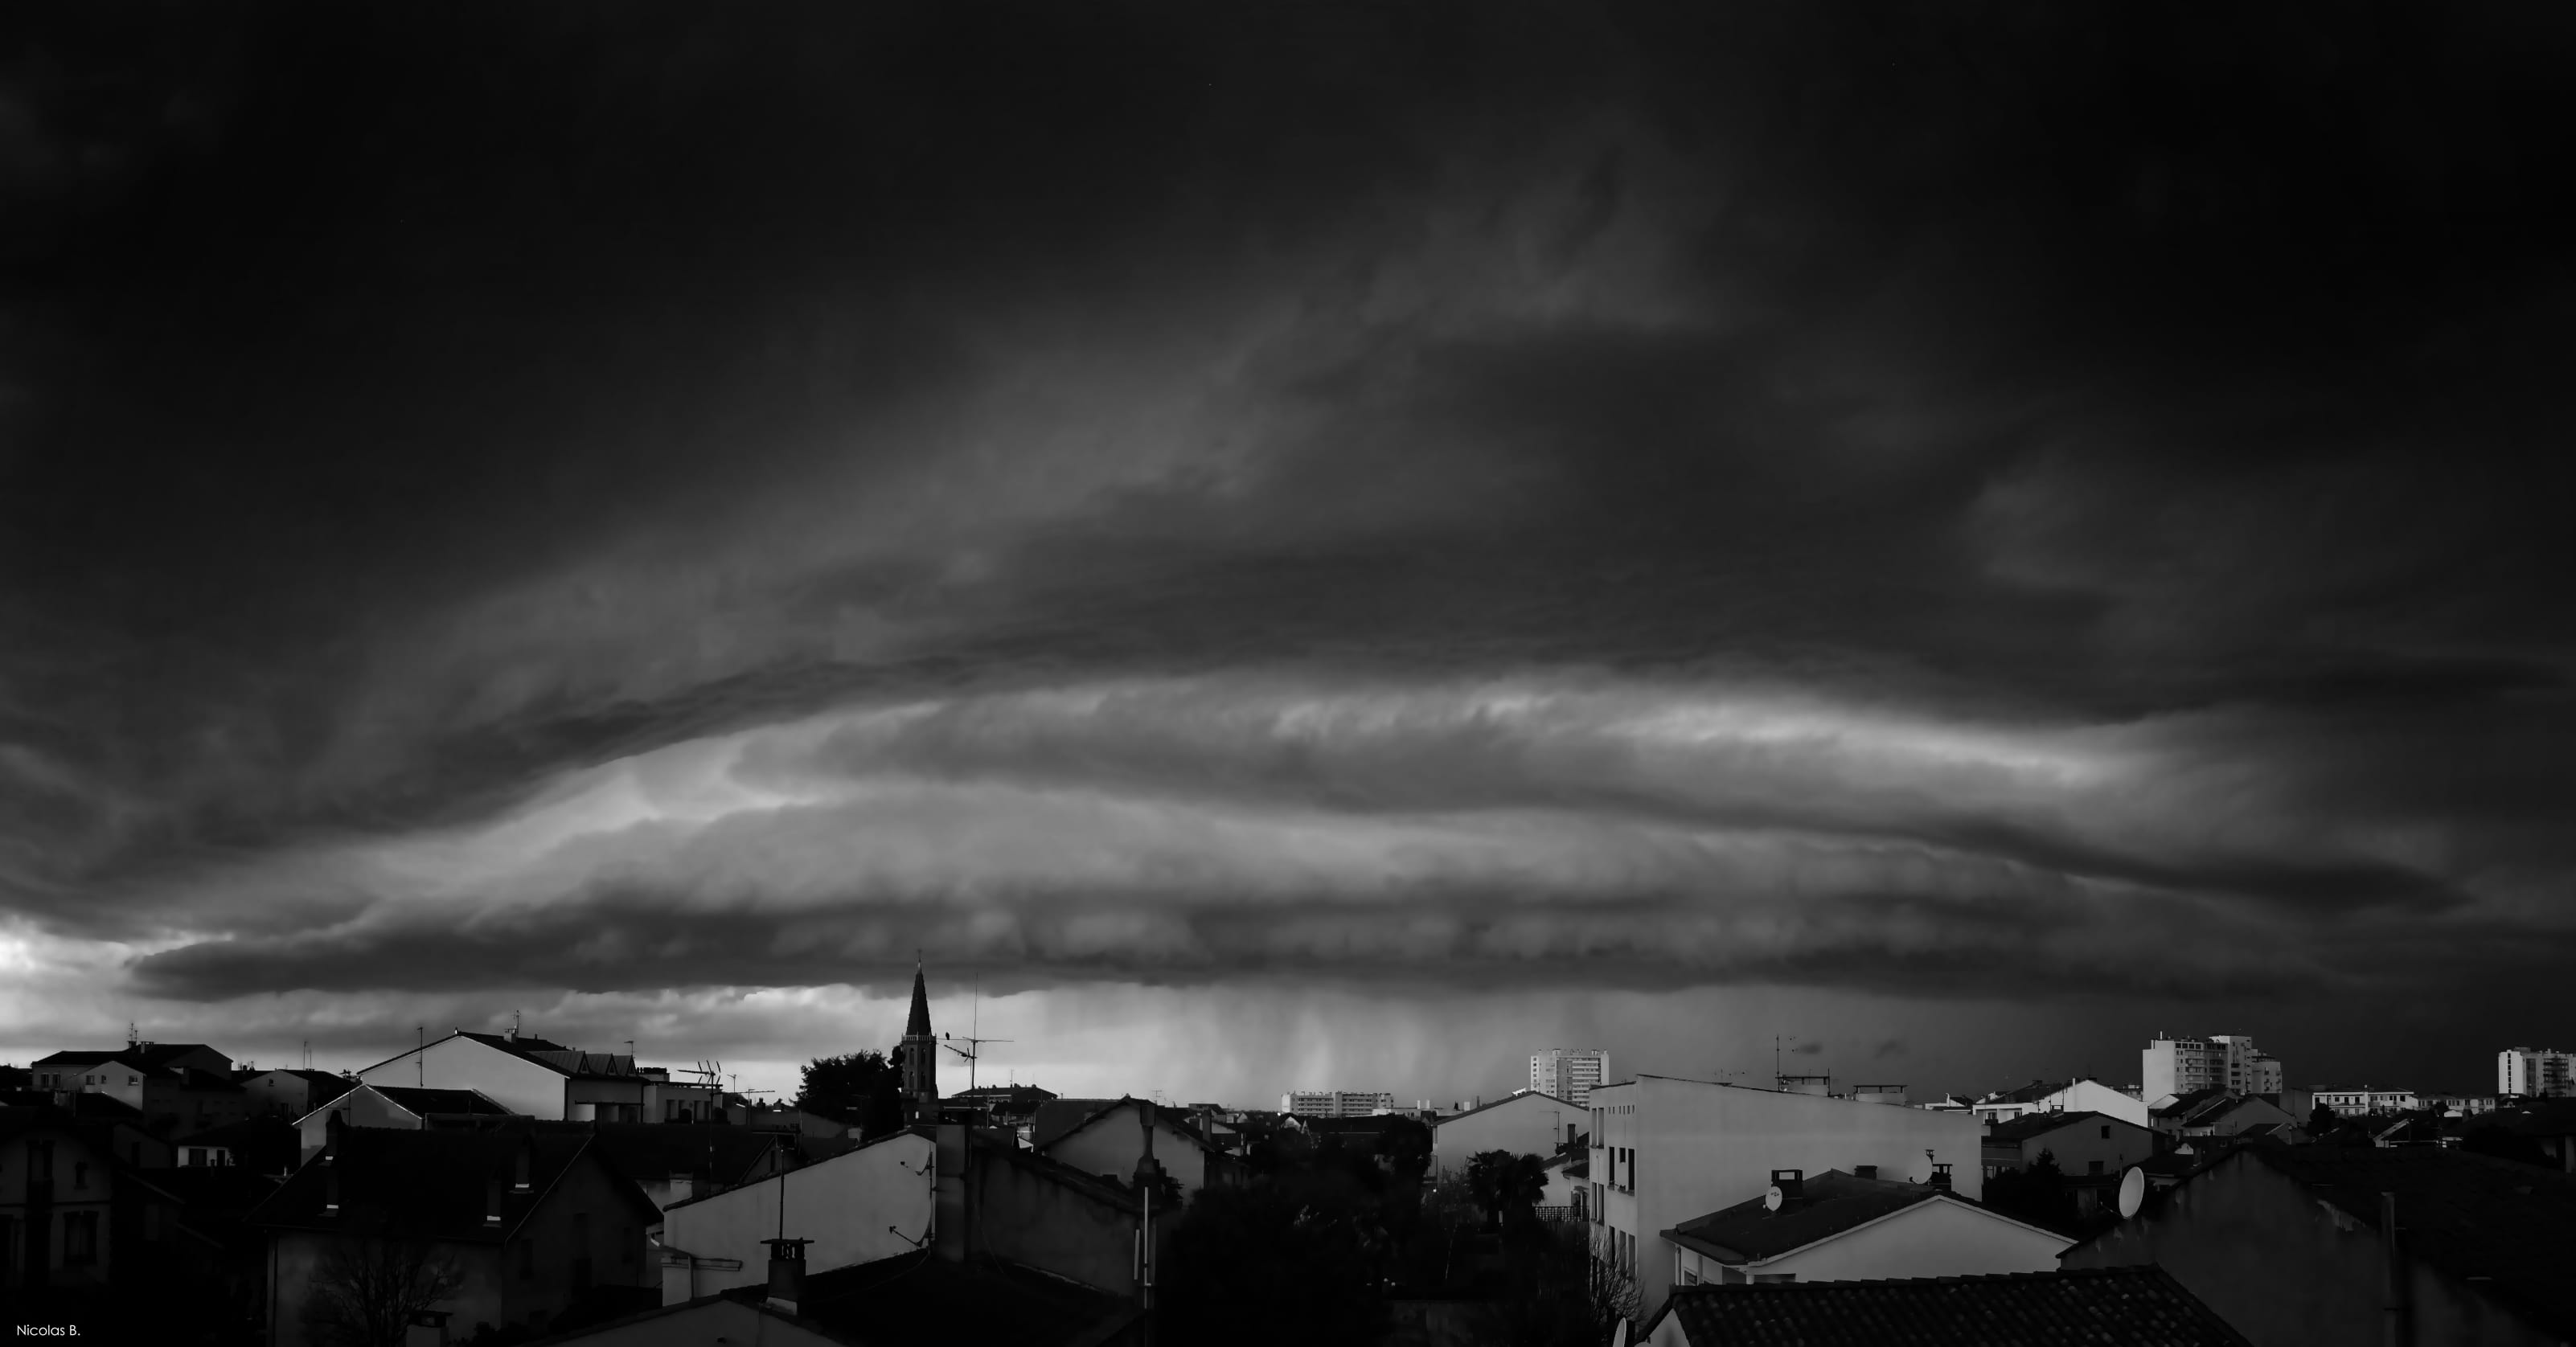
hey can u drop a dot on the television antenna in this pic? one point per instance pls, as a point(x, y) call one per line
point(974, 1046)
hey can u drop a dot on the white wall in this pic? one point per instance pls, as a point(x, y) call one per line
point(1702, 1146)
point(843, 1204)
point(459, 1063)
point(1112, 1146)
point(2092, 1096)
point(1939, 1238)
point(1528, 1124)
point(358, 1108)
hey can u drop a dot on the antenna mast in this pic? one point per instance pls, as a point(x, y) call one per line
point(974, 1046)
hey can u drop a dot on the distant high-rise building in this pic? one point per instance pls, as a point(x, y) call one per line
point(2536, 1073)
point(1337, 1103)
point(1569, 1073)
point(2180, 1065)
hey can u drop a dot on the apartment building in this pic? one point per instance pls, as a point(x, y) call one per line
point(1569, 1074)
point(2178, 1065)
point(1337, 1103)
point(2536, 1073)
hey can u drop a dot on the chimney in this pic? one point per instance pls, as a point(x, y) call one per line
point(492, 1202)
point(786, 1272)
point(1941, 1177)
point(1864, 1171)
point(523, 1162)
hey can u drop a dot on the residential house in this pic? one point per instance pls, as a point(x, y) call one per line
point(2217, 1113)
point(1568, 1191)
point(2082, 1144)
point(1665, 1150)
point(1112, 1138)
point(57, 1190)
point(533, 1222)
point(2291, 1245)
point(120, 1126)
point(2112, 1307)
point(2548, 1126)
point(913, 1297)
point(1845, 1227)
point(289, 1092)
point(2006, 1105)
point(178, 1087)
point(1526, 1123)
point(268, 1145)
point(1010, 1107)
point(540, 1078)
point(407, 1108)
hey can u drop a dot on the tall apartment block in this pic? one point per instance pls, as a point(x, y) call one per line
point(1337, 1103)
point(2536, 1073)
point(2180, 1065)
point(1569, 1073)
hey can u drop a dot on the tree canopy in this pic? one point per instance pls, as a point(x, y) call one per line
point(863, 1089)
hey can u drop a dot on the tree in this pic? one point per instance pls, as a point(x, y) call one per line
point(366, 1291)
point(1505, 1185)
point(864, 1089)
point(2322, 1120)
point(1406, 1144)
point(2037, 1194)
point(1276, 1262)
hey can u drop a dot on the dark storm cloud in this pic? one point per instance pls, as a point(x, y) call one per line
point(2133, 432)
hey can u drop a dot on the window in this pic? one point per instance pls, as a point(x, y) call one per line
point(133, 1080)
point(196, 1156)
point(2092, 1166)
point(2106, 1131)
point(80, 1238)
point(1689, 1278)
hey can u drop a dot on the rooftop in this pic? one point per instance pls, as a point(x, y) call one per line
point(2100, 1307)
point(1833, 1203)
point(2031, 1125)
point(430, 1184)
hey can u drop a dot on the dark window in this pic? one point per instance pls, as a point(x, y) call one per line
point(2092, 1166)
point(2106, 1131)
point(80, 1238)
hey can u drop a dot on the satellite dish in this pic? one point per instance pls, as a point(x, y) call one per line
point(1772, 1197)
point(2133, 1192)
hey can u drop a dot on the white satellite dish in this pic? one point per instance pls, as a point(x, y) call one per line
point(2133, 1192)
point(1772, 1197)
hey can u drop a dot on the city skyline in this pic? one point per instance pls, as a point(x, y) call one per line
point(1303, 546)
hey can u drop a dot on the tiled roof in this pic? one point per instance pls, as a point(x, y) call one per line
point(2098, 1307)
point(650, 1152)
point(920, 1297)
point(1055, 1117)
point(428, 1184)
point(2513, 1226)
point(1834, 1202)
point(2026, 1094)
point(2031, 1125)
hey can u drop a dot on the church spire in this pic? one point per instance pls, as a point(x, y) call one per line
point(920, 1056)
point(919, 1023)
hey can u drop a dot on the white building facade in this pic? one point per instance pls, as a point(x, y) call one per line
point(1665, 1150)
point(857, 1207)
point(1337, 1103)
point(1569, 1073)
point(2366, 1101)
point(2536, 1073)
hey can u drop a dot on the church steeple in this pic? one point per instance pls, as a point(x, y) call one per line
point(920, 1057)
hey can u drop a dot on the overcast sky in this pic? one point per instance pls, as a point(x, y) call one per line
point(1293, 545)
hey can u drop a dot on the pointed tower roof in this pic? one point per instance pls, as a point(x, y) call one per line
point(919, 1023)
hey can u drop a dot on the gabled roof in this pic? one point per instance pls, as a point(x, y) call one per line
point(1835, 1203)
point(1164, 1116)
point(427, 1101)
point(149, 1056)
point(1055, 1117)
point(652, 1152)
point(551, 1055)
point(2031, 1125)
point(316, 1078)
point(2026, 1094)
point(2099, 1307)
point(1513, 1098)
point(2183, 1105)
point(923, 1133)
point(431, 1184)
point(716, 1318)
